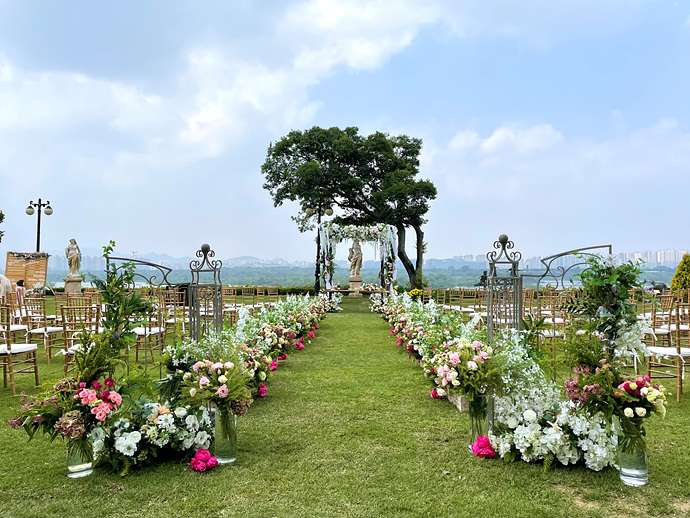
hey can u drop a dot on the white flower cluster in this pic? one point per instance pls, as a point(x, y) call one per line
point(531, 418)
point(629, 342)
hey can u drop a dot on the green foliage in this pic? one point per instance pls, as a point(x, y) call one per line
point(681, 279)
point(605, 292)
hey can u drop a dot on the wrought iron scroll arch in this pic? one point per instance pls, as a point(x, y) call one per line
point(151, 280)
point(555, 274)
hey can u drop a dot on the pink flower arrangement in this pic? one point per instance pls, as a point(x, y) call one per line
point(262, 390)
point(482, 448)
point(203, 461)
point(101, 404)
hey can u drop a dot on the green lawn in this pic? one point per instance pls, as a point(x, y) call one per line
point(347, 430)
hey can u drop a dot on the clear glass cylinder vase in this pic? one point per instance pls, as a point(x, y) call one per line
point(79, 459)
point(480, 410)
point(633, 462)
point(225, 437)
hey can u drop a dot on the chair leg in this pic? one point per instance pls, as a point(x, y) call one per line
point(35, 369)
point(10, 372)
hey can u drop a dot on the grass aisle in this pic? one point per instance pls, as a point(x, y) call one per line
point(348, 429)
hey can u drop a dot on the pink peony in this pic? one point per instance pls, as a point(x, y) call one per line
point(203, 455)
point(204, 381)
point(454, 358)
point(198, 465)
point(222, 391)
point(262, 391)
point(273, 366)
point(211, 463)
point(482, 448)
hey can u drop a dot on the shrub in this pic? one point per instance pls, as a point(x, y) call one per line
point(681, 279)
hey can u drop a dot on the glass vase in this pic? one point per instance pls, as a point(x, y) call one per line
point(225, 437)
point(632, 453)
point(79, 459)
point(480, 409)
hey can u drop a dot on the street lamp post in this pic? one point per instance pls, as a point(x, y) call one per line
point(40, 207)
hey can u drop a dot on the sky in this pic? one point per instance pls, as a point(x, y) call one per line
point(562, 124)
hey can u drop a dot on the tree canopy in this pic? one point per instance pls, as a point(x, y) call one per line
point(372, 179)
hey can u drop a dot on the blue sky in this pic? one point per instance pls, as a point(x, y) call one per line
point(561, 123)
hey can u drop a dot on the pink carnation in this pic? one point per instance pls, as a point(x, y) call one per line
point(482, 448)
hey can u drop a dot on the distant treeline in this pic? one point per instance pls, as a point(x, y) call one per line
point(303, 276)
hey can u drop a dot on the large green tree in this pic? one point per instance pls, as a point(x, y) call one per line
point(385, 188)
point(306, 166)
point(372, 179)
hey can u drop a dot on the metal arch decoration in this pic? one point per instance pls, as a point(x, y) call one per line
point(205, 298)
point(504, 291)
point(555, 274)
point(152, 280)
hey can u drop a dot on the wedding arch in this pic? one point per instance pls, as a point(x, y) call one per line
point(382, 236)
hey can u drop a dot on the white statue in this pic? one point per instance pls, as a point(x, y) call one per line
point(355, 258)
point(73, 255)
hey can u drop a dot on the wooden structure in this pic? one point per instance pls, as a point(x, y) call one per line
point(32, 267)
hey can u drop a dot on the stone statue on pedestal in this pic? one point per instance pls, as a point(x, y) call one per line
point(355, 258)
point(73, 280)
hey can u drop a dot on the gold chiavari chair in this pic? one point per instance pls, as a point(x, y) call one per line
point(669, 358)
point(77, 323)
point(175, 312)
point(151, 333)
point(16, 358)
point(249, 295)
point(40, 326)
point(229, 297)
point(273, 294)
point(440, 296)
point(427, 293)
point(260, 294)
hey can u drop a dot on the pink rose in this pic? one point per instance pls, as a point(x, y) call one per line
point(434, 394)
point(222, 391)
point(115, 398)
point(109, 382)
point(203, 455)
point(204, 381)
point(299, 346)
point(262, 391)
point(82, 384)
point(273, 366)
point(282, 356)
point(454, 358)
point(95, 385)
point(311, 335)
point(211, 463)
point(482, 448)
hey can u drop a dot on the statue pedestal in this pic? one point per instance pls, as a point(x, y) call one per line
point(73, 285)
point(355, 286)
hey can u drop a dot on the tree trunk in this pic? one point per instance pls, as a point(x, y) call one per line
point(414, 272)
point(317, 270)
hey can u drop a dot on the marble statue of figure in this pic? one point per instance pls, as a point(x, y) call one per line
point(73, 255)
point(355, 258)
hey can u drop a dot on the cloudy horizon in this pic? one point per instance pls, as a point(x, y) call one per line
point(561, 124)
